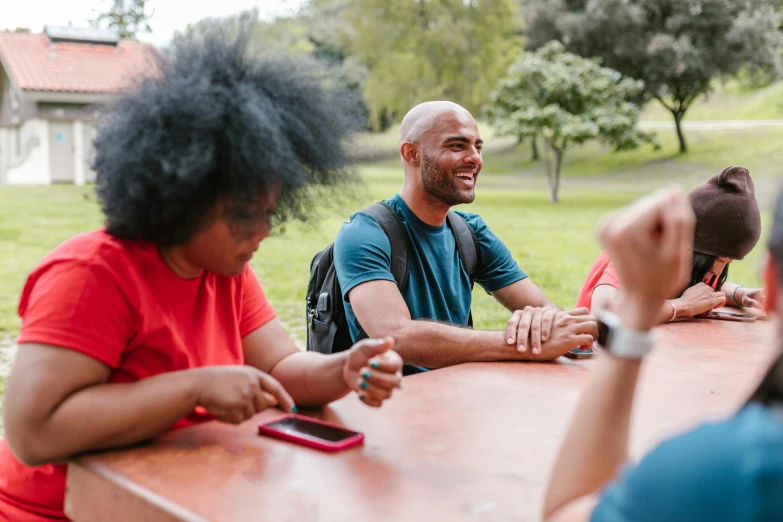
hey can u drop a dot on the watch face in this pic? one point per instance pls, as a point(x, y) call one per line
point(603, 333)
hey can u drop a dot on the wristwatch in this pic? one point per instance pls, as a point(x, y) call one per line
point(621, 341)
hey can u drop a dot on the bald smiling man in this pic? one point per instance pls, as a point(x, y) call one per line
point(441, 152)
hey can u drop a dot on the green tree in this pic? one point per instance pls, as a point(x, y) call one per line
point(129, 17)
point(312, 34)
point(567, 100)
point(283, 34)
point(417, 50)
point(677, 47)
point(332, 37)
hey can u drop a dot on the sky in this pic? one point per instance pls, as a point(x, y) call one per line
point(169, 16)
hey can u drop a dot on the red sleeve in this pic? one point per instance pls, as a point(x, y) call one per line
point(256, 310)
point(79, 306)
point(609, 277)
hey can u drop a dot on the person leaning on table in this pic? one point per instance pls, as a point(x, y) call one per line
point(725, 471)
point(157, 321)
point(441, 153)
point(728, 226)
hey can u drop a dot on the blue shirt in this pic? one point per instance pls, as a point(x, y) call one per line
point(727, 471)
point(438, 286)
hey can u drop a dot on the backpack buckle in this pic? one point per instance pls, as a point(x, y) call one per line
point(323, 303)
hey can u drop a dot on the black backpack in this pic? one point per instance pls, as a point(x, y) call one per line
point(327, 326)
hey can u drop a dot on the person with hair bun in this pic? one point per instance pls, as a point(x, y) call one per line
point(728, 226)
point(157, 321)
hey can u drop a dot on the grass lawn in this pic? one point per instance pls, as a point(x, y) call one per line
point(554, 244)
point(731, 101)
point(33, 220)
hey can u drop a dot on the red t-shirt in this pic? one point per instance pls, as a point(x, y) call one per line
point(118, 302)
point(602, 273)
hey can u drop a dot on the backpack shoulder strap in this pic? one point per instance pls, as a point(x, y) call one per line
point(467, 244)
point(400, 244)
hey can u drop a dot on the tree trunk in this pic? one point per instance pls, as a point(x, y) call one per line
point(547, 163)
point(678, 125)
point(534, 148)
point(552, 169)
point(554, 185)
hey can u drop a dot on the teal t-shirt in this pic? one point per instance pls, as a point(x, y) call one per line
point(438, 286)
point(729, 471)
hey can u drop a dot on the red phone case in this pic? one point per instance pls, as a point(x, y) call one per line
point(304, 440)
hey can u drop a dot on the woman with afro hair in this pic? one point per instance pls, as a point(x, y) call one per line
point(156, 321)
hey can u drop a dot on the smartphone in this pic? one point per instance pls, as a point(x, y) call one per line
point(310, 432)
point(579, 353)
point(730, 316)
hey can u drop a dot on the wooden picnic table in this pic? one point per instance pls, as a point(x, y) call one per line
point(470, 442)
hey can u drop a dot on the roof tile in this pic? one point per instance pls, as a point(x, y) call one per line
point(35, 63)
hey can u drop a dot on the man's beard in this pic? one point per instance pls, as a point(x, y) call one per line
point(443, 185)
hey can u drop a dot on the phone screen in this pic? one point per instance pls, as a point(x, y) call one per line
point(313, 430)
point(579, 353)
point(731, 316)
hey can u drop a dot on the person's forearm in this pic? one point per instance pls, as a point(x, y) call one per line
point(668, 314)
point(108, 416)
point(684, 310)
point(729, 288)
point(596, 443)
point(312, 379)
point(605, 298)
point(437, 345)
point(521, 294)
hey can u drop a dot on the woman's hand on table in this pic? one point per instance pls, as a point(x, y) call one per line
point(750, 297)
point(236, 393)
point(698, 299)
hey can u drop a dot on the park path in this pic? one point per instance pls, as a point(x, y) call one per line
point(711, 124)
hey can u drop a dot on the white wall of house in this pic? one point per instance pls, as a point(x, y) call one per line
point(26, 161)
point(25, 158)
point(79, 153)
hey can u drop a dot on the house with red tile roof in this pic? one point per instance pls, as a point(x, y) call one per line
point(52, 88)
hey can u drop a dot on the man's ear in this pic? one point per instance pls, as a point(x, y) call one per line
point(410, 154)
point(771, 281)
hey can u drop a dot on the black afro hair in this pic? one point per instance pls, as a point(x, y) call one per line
point(217, 121)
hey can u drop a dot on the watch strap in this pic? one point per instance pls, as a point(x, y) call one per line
point(621, 341)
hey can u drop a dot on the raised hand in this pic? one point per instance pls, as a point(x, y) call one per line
point(373, 370)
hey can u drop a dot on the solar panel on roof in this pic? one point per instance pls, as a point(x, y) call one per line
point(92, 35)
